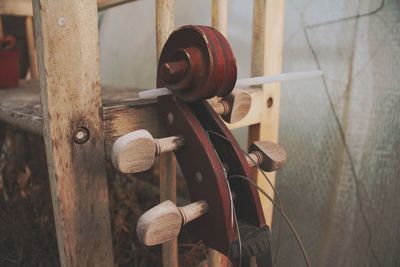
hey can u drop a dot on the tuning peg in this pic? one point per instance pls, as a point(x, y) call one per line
point(136, 151)
point(233, 107)
point(163, 222)
point(269, 156)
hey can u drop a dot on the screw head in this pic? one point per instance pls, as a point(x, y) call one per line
point(81, 135)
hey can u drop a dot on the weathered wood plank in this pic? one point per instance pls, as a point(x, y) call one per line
point(68, 57)
point(268, 29)
point(122, 112)
point(128, 117)
point(21, 107)
point(24, 7)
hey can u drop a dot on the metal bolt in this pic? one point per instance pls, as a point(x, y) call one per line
point(81, 135)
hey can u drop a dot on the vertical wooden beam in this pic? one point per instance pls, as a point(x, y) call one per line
point(219, 20)
point(165, 24)
point(219, 15)
point(68, 57)
point(30, 40)
point(1, 28)
point(268, 30)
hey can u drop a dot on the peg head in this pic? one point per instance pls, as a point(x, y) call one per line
point(134, 152)
point(163, 222)
point(241, 106)
point(272, 156)
point(160, 224)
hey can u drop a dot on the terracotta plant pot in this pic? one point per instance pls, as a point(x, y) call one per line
point(9, 62)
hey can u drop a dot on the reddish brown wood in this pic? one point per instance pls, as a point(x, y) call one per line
point(197, 63)
point(247, 203)
point(203, 172)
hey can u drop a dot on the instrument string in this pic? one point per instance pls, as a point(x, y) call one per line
point(279, 205)
point(286, 218)
point(279, 202)
point(273, 188)
point(234, 220)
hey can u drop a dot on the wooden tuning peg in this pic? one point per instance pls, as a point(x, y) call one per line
point(163, 222)
point(269, 156)
point(136, 151)
point(233, 107)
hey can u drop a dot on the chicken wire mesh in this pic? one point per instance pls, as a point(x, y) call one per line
point(342, 133)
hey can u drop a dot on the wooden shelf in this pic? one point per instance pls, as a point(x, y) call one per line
point(21, 106)
point(122, 110)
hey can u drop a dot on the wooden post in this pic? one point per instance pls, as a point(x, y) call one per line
point(68, 57)
point(268, 30)
point(30, 40)
point(219, 15)
point(24, 7)
point(219, 20)
point(1, 28)
point(165, 24)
